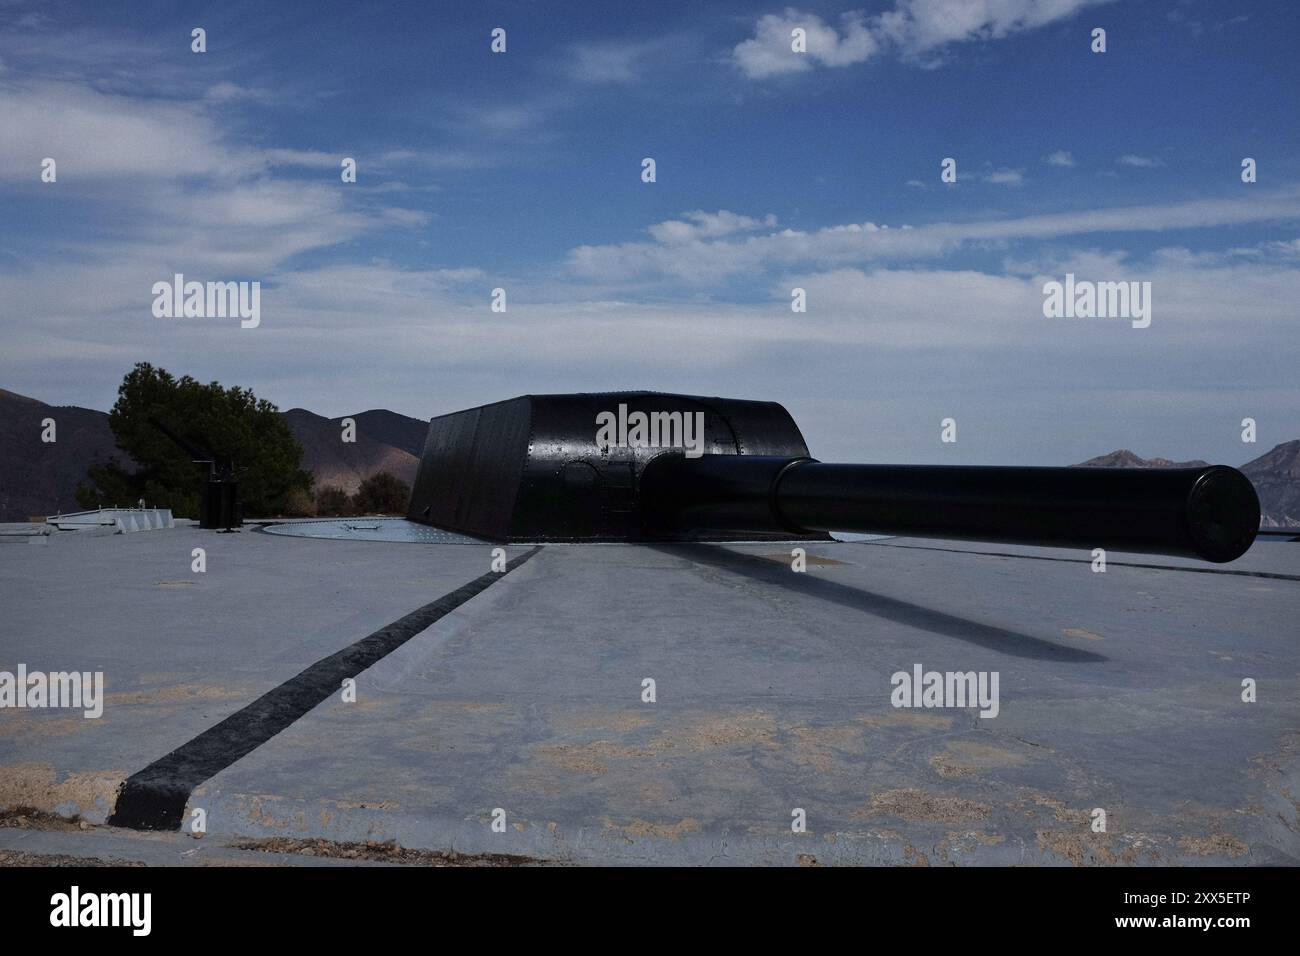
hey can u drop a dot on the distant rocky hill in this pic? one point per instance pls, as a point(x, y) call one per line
point(1275, 475)
point(1126, 459)
point(385, 441)
point(38, 478)
point(400, 431)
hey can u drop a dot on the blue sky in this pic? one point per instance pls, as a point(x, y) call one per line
point(819, 170)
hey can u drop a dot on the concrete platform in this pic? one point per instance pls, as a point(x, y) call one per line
point(1120, 691)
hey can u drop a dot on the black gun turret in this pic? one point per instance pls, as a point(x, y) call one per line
point(646, 466)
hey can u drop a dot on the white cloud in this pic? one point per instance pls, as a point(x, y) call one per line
point(920, 26)
point(1141, 162)
point(613, 62)
point(306, 158)
point(709, 260)
point(506, 119)
point(914, 28)
point(196, 199)
point(1083, 262)
point(1285, 248)
point(106, 60)
point(1062, 157)
point(227, 92)
point(769, 52)
point(93, 134)
point(912, 309)
point(707, 225)
point(976, 338)
point(1006, 177)
point(440, 159)
point(330, 334)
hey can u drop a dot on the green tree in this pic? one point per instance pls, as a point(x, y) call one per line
point(231, 424)
point(383, 493)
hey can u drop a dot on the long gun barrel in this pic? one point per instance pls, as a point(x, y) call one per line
point(637, 466)
point(1210, 513)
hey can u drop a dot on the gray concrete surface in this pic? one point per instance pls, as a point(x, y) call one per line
point(180, 650)
point(1119, 691)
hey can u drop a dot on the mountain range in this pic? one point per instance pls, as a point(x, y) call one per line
point(39, 478)
point(385, 441)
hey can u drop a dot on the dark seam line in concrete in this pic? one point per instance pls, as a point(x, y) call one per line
point(155, 797)
point(1109, 563)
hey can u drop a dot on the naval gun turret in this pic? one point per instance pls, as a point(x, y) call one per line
point(649, 466)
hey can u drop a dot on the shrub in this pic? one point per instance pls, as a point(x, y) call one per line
point(382, 493)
